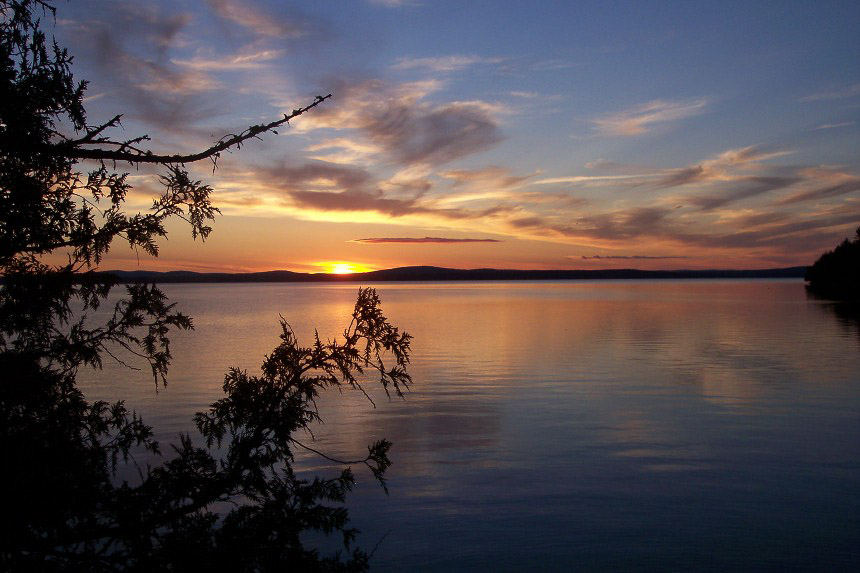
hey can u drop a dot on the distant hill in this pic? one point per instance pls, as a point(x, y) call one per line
point(443, 274)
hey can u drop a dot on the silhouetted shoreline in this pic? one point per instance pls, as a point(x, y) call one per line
point(426, 273)
point(836, 274)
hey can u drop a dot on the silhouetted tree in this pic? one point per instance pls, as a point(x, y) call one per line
point(64, 508)
point(836, 273)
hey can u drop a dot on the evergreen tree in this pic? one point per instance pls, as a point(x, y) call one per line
point(65, 508)
point(836, 273)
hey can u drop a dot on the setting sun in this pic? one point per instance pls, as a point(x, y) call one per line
point(342, 268)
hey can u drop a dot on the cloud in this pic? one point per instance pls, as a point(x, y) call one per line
point(377, 202)
point(551, 65)
point(837, 93)
point(242, 61)
point(394, 3)
point(355, 201)
point(629, 257)
point(745, 156)
point(616, 167)
point(327, 187)
point(164, 65)
point(638, 120)
point(528, 222)
point(594, 178)
point(750, 234)
point(332, 192)
point(343, 150)
point(716, 168)
point(358, 103)
point(737, 174)
point(746, 220)
point(491, 183)
point(748, 187)
point(313, 174)
point(836, 183)
point(796, 234)
point(408, 129)
point(133, 43)
point(721, 167)
point(617, 176)
point(255, 21)
point(443, 63)
point(492, 177)
point(623, 224)
point(413, 134)
point(380, 240)
point(834, 125)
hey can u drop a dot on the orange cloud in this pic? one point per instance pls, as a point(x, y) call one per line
point(638, 120)
point(380, 240)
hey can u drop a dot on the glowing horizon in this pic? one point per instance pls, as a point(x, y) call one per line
point(342, 267)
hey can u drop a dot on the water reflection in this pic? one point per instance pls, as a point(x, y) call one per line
point(848, 315)
point(711, 424)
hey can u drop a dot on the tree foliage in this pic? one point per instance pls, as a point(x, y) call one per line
point(836, 273)
point(66, 509)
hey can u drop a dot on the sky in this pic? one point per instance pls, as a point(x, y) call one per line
point(502, 134)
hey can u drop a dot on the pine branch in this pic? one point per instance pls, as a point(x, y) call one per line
point(72, 149)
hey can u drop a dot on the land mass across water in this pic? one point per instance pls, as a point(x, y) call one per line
point(427, 273)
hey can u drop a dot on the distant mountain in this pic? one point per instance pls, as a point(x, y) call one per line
point(443, 274)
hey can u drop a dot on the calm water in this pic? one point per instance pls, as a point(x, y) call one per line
point(578, 425)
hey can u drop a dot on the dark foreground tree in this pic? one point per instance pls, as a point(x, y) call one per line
point(64, 508)
point(836, 273)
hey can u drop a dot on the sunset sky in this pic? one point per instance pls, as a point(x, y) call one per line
point(533, 135)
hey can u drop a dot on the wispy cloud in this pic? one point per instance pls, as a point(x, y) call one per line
point(135, 43)
point(628, 257)
point(343, 150)
point(256, 21)
point(444, 63)
point(741, 174)
point(330, 188)
point(494, 199)
point(380, 240)
point(834, 125)
point(551, 65)
point(594, 178)
point(823, 184)
point(241, 61)
point(836, 93)
point(491, 177)
point(409, 129)
point(638, 120)
point(524, 95)
point(618, 168)
point(377, 202)
point(317, 175)
point(743, 189)
point(720, 167)
point(394, 3)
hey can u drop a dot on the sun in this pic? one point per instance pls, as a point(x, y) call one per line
point(342, 267)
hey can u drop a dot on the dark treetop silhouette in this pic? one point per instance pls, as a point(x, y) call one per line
point(836, 273)
point(64, 508)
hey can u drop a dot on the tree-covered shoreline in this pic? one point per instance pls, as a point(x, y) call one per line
point(836, 274)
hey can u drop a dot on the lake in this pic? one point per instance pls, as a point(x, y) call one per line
point(647, 425)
